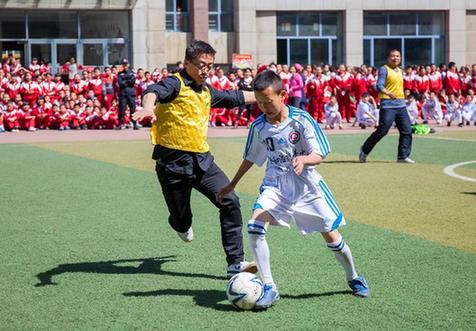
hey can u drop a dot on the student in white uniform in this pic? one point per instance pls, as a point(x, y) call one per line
point(453, 111)
point(367, 112)
point(432, 109)
point(292, 143)
point(333, 115)
point(412, 109)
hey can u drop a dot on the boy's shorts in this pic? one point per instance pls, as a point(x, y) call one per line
point(313, 212)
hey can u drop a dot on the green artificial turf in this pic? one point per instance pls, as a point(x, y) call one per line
point(85, 245)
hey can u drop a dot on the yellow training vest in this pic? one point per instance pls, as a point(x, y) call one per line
point(183, 123)
point(393, 83)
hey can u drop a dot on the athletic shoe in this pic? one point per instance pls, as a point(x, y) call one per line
point(406, 160)
point(362, 156)
point(359, 286)
point(244, 266)
point(269, 297)
point(186, 236)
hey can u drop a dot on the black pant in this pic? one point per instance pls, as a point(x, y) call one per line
point(126, 100)
point(177, 189)
point(387, 117)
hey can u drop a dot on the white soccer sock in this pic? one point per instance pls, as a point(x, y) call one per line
point(344, 256)
point(260, 249)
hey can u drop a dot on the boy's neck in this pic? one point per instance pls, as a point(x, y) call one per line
point(280, 117)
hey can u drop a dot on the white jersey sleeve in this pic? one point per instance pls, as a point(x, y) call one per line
point(314, 135)
point(255, 148)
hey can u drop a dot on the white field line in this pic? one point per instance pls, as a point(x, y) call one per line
point(449, 170)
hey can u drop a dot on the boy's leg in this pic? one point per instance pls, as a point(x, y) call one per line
point(257, 228)
point(336, 243)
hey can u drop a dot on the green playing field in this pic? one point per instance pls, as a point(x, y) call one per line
point(86, 245)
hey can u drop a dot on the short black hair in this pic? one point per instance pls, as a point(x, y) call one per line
point(197, 48)
point(451, 65)
point(393, 50)
point(266, 79)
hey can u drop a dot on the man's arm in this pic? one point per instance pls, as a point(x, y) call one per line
point(230, 99)
point(164, 91)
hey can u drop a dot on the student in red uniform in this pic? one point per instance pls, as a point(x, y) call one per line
point(78, 85)
point(11, 118)
point(342, 87)
point(26, 118)
point(452, 81)
point(422, 82)
point(96, 84)
point(319, 92)
point(359, 86)
point(409, 79)
point(48, 87)
point(29, 90)
point(13, 87)
point(465, 80)
point(436, 80)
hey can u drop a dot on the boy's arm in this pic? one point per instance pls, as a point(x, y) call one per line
point(244, 167)
point(300, 161)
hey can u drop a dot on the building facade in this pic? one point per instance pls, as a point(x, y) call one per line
point(154, 33)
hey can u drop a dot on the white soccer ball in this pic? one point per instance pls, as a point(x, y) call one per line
point(243, 290)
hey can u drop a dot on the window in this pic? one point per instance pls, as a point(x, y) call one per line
point(220, 15)
point(110, 24)
point(117, 52)
point(12, 25)
point(53, 24)
point(92, 54)
point(420, 36)
point(176, 15)
point(309, 37)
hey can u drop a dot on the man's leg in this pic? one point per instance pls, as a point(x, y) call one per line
point(405, 140)
point(387, 116)
point(122, 108)
point(176, 189)
point(230, 214)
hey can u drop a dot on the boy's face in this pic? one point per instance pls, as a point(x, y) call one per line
point(270, 102)
point(366, 99)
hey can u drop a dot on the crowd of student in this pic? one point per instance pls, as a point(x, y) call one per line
point(33, 98)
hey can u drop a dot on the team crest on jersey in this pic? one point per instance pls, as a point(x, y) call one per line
point(294, 137)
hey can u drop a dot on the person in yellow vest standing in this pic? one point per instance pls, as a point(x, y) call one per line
point(181, 106)
point(392, 109)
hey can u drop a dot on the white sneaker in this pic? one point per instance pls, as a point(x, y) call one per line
point(244, 266)
point(186, 236)
point(406, 160)
point(362, 156)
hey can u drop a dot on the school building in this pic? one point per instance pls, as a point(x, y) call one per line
point(154, 33)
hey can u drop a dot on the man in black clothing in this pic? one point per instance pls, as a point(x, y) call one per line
point(181, 106)
point(127, 94)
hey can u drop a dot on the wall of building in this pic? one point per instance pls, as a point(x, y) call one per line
point(265, 37)
point(69, 4)
point(224, 43)
point(471, 37)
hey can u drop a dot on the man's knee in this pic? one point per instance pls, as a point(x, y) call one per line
point(230, 201)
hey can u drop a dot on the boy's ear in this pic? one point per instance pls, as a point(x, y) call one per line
point(283, 94)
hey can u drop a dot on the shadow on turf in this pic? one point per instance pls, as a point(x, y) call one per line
point(470, 193)
point(147, 266)
point(212, 298)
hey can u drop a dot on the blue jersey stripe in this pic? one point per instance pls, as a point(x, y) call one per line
point(329, 203)
point(321, 138)
point(329, 193)
point(259, 120)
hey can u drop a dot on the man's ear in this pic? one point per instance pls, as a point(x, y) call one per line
point(283, 94)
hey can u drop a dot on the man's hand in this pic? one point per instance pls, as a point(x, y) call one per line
point(141, 114)
point(298, 164)
point(148, 102)
point(224, 191)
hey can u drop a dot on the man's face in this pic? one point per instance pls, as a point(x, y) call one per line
point(394, 58)
point(199, 67)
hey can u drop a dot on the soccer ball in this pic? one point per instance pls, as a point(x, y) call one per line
point(243, 290)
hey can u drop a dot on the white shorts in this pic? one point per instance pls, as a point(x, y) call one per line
point(312, 211)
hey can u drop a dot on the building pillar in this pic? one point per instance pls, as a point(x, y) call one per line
point(353, 37)
point(199, 19)
point(457, 36)
point(245, 27)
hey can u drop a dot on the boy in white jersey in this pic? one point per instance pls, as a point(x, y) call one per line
point(292, 143)
point(367, 112)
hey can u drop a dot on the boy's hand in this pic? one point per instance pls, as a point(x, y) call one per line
point(224, 191)
point(298, 164)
